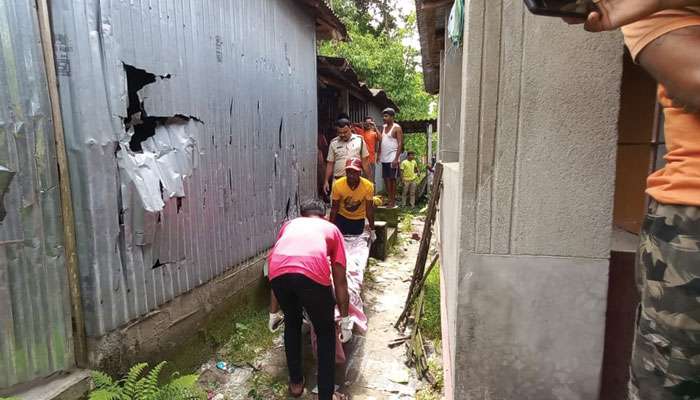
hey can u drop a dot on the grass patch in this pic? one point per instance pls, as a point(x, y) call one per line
point(264, 386)
point(428, 394)
point(243, 337)
point(370, 272)
point(430, 321)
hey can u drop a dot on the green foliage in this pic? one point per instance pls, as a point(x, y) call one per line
point(264, 386)
point(418, 143)
point(139, 386)
point(430, 319)
point(9, 398)
point(379, 56)
point(242, 339)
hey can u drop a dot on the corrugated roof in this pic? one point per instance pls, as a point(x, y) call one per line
point(431, 17)
point(328, 25)
point(338, 71)
point(417, 125)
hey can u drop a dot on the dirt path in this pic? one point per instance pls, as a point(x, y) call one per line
point(374, 371)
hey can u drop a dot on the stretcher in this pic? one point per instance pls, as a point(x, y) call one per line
point(356, 256)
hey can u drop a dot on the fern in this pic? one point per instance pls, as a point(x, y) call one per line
point(141, 385)
point(131, 381)
point(102, 380)
point(106, 394)
point(148, 386)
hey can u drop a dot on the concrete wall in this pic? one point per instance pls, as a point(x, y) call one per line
point(539, 107)
point(448, 236)
point(449, 121)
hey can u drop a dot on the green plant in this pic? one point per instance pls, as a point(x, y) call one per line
point(430, 319)
point(243, 338)
point(139, 385)
point(9, 398)
point(380, 57)
point(264, 386)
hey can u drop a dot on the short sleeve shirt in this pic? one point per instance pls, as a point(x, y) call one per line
point(353, 201)
point(339, 151)
point(408, 170)
point(304, 246)
point(678, 182)
point(371, 139)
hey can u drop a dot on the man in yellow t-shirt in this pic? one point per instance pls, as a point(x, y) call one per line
point(352, 200)
point(409, 175)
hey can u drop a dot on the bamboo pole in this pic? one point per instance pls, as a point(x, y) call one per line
point(419, 268)
point(77, 314)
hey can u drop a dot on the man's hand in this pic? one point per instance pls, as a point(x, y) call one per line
point(613, 14)
point(326, 188)
point(275, 321)
point(372, 236)
point(346, 325)
point(395, 164)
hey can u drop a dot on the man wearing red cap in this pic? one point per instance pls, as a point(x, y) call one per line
point(352, 200)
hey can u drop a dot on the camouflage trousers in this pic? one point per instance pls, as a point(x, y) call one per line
point(665, 361)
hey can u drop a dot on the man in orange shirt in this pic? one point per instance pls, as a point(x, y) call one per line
point(368, 131)
point(664, 37)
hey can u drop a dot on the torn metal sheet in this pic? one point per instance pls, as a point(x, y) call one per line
point(5, 179)
point(168, 158)
point(226, 176)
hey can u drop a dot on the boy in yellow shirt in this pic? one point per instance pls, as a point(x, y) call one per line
point(409, 175)
point(352, 200)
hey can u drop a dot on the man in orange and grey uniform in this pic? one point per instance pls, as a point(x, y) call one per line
point(663, 36)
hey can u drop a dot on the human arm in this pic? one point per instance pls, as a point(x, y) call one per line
point(335, 206)
point(369, 206)
point(673, 60)
point(274, 305)
point(613, 14)
point(399, 139)
point(340, 282)
point(366, 166)
point(329, 174)
point(276, 316)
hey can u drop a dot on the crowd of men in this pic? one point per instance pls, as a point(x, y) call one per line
point(372, 146)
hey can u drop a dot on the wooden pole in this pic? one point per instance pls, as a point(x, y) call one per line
point(422, 258)
point(430, 143)
point(77, 314)
point(416, 291)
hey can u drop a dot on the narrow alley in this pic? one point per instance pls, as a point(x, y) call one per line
point(374, 370)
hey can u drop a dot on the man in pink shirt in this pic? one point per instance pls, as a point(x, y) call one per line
point(300, 276)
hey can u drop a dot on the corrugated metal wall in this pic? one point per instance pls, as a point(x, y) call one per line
point(35, 326)
point(245, 71)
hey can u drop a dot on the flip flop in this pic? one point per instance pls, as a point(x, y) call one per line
point(294, 394)
point(339, 396)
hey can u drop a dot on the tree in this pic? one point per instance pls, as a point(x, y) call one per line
point(378, 54)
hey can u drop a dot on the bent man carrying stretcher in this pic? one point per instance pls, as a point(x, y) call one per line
point(300, 276)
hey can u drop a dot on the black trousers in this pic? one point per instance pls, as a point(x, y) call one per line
point(295, 293)
point(349, 226)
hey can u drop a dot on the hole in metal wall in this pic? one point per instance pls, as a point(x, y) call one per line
point(279, 134)
point(179, 204)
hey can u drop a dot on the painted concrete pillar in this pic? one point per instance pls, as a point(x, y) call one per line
point(526, 266)
point(450, 89)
